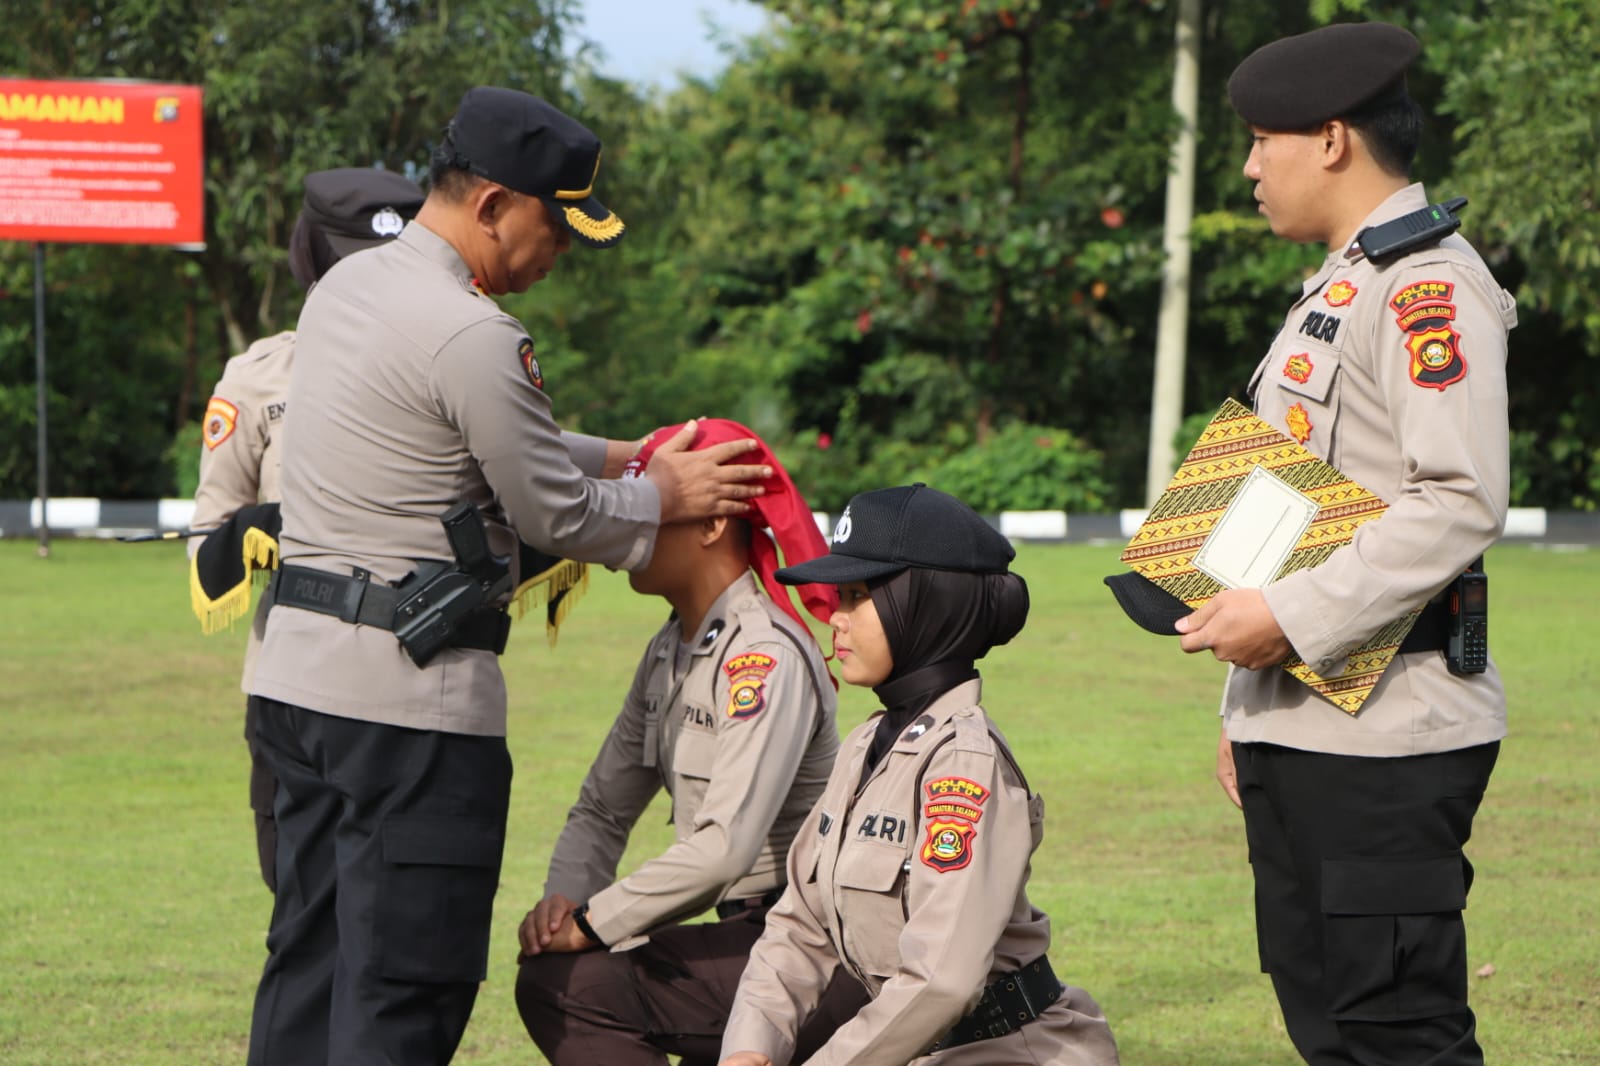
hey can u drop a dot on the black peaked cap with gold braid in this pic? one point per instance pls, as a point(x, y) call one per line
point(524, 143)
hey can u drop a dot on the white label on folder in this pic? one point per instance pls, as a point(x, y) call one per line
point(1253, 538)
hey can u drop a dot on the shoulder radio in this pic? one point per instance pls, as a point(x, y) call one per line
point(1421, 228)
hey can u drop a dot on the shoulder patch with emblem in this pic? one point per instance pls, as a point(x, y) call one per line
point(747, 675)
point(1423, 312)
point(530, 363)
point(949, 845)
point(220, 419)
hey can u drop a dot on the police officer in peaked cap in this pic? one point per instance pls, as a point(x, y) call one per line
point(414, 392)
point(1390, 365)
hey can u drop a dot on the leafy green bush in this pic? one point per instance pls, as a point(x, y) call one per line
point(1024, 467)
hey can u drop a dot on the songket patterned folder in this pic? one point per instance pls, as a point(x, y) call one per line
point(1247, 506)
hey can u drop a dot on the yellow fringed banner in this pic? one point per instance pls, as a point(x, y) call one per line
point(259, 554)
point(556, 588)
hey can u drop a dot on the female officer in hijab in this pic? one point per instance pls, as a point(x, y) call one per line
point(911, 871)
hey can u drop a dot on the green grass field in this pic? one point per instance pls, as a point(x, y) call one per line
point(132, 917)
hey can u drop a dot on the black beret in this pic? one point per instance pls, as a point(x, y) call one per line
point(345, 210)
point(1297, 82)
point(526, 144)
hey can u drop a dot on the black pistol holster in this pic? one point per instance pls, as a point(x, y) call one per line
point(437, 606)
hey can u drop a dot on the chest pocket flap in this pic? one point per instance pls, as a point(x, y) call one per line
point(871, 868)
point(694, 753)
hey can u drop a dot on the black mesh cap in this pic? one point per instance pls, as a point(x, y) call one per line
point(1147, 603)
point(887, 530)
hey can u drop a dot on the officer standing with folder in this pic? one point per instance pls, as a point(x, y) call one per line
point(1391, 365)
point(385, 728)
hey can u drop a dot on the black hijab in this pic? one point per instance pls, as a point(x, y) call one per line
point(938, 623)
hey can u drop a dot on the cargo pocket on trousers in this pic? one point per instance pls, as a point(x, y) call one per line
point(437, 897)
point(1393, 940)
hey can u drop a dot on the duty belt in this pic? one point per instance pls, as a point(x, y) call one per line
point(1009, 1003)
point(729, 908)
point(359, 600)
point(1430, 632)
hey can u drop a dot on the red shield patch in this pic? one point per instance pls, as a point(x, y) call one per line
point(529, 363)
point(747, 676)
point(1436, 360)
point(949, 845)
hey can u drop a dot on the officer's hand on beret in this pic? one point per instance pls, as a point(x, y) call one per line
point(703, 483)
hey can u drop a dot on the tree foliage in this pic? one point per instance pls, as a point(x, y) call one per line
point(900, 238)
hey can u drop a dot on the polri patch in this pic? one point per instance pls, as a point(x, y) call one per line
point(1340, 294)
point(530, 363)
point(949, 845)
point(747, 675)
point(1299, 423)
point(219, 422)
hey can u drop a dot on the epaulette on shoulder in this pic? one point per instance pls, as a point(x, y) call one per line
point(972, 731)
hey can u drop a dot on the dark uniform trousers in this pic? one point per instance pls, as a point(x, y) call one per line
point(263, 786)
point(671, 995)
point(389, 848)
point(1360, 884)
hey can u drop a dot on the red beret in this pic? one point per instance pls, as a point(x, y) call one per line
point(1298, 82)
point(781, 509)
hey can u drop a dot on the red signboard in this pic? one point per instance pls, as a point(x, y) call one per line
point(101, 161)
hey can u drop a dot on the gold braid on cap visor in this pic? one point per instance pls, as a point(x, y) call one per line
point(595, 230)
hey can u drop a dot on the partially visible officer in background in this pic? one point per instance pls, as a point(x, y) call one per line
point(1392, 367)
point(344, 211)
point(732, 712)
point(412, 393)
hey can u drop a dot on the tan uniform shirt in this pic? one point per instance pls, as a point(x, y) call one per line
point(241, 453)
point(412, 390)
point(1395, 374)
point(916, 884)
point(742, 739)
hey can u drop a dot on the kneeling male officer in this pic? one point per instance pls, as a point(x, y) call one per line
point(732, 712)
point(412, 393)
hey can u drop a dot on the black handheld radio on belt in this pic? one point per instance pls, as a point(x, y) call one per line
point(1466, 649)
point(1429, 225)
point(439, 598)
